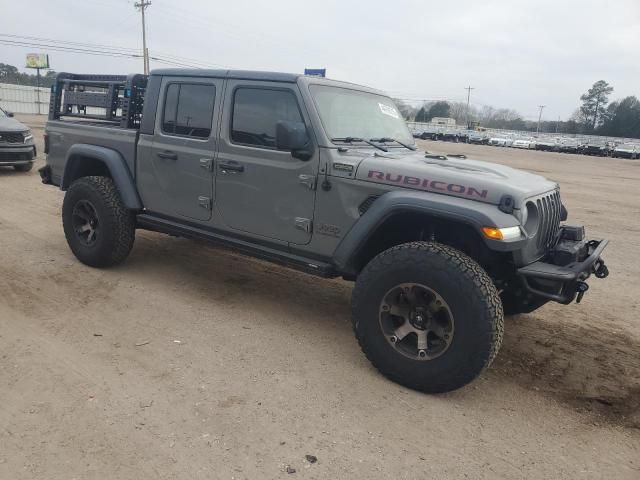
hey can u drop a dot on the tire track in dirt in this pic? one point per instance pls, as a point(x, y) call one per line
point(593, 369)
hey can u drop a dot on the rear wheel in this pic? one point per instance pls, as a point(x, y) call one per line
point(100, 231)
point(427, 316)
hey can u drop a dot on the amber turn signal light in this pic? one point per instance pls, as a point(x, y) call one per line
point(508, 233)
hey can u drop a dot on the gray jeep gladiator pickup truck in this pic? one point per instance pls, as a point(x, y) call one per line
point(321, 176)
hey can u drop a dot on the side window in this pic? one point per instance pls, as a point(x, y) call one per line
point(188, 110)
point(256, 112)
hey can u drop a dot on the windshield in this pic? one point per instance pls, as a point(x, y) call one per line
point(2, 113)
point(352, 113)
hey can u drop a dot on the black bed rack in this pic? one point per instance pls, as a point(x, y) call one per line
point(116, 99)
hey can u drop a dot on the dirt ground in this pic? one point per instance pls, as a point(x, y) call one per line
point(188, 362)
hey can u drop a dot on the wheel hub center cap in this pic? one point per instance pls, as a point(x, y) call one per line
point(420, 319)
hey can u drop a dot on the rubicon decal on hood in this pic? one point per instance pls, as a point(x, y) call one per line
point(426, 184)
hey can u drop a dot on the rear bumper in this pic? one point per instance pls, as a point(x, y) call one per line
point(562, 283)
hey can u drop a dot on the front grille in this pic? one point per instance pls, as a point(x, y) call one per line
point(11, 137)
point(549, 211)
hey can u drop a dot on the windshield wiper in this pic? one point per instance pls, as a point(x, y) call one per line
point(356, 139)
point(387, 139)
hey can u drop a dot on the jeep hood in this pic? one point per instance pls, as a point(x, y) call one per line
point(472, 179)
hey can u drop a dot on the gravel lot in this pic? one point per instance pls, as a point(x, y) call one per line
point(189, 362)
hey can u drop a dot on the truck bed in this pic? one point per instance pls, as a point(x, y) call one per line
point(65, 133)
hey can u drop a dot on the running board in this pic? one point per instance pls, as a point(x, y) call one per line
point(162, 225)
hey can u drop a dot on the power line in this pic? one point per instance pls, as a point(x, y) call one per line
point(61, 48)
point(66, 42)
point(203, 21)
point(189, 60)
point(169, 61)
point(101, 50)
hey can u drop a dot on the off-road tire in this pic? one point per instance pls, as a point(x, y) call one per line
point(470, 294)
point(115, 238)
point(23, 167)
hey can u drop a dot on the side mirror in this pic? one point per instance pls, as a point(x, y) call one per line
point(293, 137)
point(9, 114)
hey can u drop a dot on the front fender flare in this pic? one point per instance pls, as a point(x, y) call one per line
point(113, 161)
point(461, 210)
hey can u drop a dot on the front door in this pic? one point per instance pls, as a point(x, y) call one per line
point(181, 159)
point(259, 189)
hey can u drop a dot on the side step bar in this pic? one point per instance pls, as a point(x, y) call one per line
point(162, 225)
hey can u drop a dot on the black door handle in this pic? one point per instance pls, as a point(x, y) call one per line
point(232, 167)
point(168, 154)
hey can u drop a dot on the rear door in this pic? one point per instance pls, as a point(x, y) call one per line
point(179, 167)
point(259, 189)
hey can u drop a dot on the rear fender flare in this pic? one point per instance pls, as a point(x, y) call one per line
point(114, 163)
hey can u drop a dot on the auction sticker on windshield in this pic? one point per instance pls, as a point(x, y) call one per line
point(387, 110)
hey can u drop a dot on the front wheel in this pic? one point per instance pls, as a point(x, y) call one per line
point(99, 228)
point(427, 316)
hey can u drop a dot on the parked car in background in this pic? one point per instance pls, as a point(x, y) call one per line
point(627, 150)
point(500, 141)
point(17, 148)
point(478, 138)
point(568, 145)
point(596, 148)
point(425, 133)
point(547, 144)
point(524, 143)
point(450, 135)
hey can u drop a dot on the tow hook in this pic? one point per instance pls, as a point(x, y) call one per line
point(582, 288)
point(600, 269)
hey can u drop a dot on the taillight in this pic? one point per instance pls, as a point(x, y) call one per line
point(46, 143)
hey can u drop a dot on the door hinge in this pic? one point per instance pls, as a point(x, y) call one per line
point(207, 164)
point(303, 224)
point(308, 180)
point(205, 202)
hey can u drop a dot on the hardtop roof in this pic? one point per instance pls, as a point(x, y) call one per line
point(259, 75)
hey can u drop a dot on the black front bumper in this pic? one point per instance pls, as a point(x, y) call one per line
point(16, 155)
point(562, 283)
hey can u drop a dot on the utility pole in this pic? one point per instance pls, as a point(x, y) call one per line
point(142, 5)
point(468, 89)
point(541, 107)
point(38, 88)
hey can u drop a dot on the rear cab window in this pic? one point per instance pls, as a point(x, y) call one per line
point(188, 110)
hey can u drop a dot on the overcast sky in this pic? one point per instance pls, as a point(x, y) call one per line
point(516, 54)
